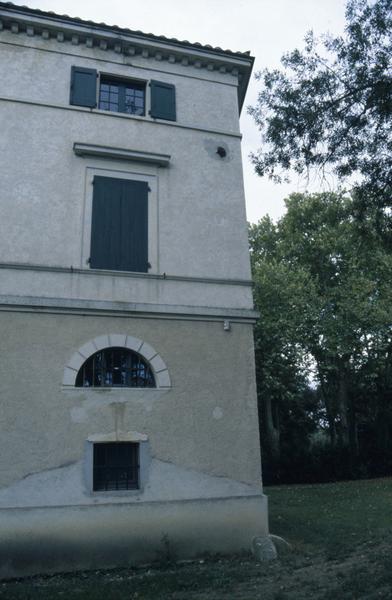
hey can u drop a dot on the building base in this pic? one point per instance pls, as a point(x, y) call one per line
point(71, 538)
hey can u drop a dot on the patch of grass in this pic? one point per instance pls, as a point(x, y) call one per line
point(334, 517)
point(342, 551)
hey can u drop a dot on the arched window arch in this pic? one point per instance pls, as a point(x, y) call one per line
point(146, 353)
point(115, 367)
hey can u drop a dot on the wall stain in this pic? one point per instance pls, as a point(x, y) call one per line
point(118, 410)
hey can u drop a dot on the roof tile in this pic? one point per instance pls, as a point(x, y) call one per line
point(38, 12)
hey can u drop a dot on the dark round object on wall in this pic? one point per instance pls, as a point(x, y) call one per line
point(221, 151)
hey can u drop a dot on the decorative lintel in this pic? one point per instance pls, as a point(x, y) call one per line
point(162, 160)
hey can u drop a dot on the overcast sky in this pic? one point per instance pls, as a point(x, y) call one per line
point(267, 28)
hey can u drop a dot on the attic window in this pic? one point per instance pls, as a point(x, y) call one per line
point(122, 96)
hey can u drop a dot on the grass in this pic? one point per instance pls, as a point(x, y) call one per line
point(340, 535)
point(336, 515)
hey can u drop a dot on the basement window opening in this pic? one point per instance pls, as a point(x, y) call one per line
point(116, 466)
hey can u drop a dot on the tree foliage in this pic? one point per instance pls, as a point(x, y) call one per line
point(330, 107)
point(326, 306)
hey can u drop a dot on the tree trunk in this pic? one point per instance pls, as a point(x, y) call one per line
point(331, 416)
point(270, 427)
point(353, 429)
point(343, 407)
point(382, 423)
point(329, 408)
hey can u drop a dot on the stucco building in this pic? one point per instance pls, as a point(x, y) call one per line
point(128, 418)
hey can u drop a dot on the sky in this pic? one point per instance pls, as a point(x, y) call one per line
point(268, 28)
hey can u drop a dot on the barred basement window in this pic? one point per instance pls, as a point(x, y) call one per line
point(122, 96)
point(116, 466)
point(115, 367)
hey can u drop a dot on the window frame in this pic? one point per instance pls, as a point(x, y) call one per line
point(107, 474)
point(143, 469)
point(144, 463)
point(147, 174)
point(110, 79)
point(119, 225)
point(159, 97)
point(126, 353)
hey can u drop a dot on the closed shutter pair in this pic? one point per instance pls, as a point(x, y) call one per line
point(84, 93)
point(119, 228)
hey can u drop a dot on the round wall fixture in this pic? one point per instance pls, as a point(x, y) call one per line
point(221, 151)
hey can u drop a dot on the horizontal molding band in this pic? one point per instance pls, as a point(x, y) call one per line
point(162, 160)
point(255, 491)
point(113, 115)
point(125, 309)
point(129, 62)
point(105, 273)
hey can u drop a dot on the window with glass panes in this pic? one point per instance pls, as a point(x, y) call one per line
point(116, 466)
point(115, 367)
point(122, 96)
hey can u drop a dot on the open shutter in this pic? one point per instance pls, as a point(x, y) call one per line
point(163, 101)
point(119, 228)
point(83, 87)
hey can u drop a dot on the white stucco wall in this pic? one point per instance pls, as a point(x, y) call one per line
point(197, 212)
point(206, 421)
point(198, 430)
point(201, 483)
point(207, 100)
point(200, 208)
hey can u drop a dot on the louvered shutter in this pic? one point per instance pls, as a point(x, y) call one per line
point(119, 228)
point(83, 87)
point(163, 101)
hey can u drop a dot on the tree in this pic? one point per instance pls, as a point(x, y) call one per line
point(325, 302)
point(331, 107)
point(281, 296)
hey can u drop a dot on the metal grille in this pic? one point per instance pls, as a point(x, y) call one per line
point(121, 96)
point(115, 367)
point(116, 466)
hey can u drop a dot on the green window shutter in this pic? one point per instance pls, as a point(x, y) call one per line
point(83, 87)
point(163, 101)
point(119, 228)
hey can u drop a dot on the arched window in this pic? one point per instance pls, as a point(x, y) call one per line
point(115, 367)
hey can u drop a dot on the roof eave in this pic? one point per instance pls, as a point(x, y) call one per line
point(238, 64)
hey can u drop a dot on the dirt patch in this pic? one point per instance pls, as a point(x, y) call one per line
point(363, 574)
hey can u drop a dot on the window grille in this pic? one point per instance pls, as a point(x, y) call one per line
point(116, 466)
point(115, 367)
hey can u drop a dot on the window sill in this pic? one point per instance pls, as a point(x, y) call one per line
point(161, 160)
point(125, 115)
point(115, 493)
point(119, 391)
